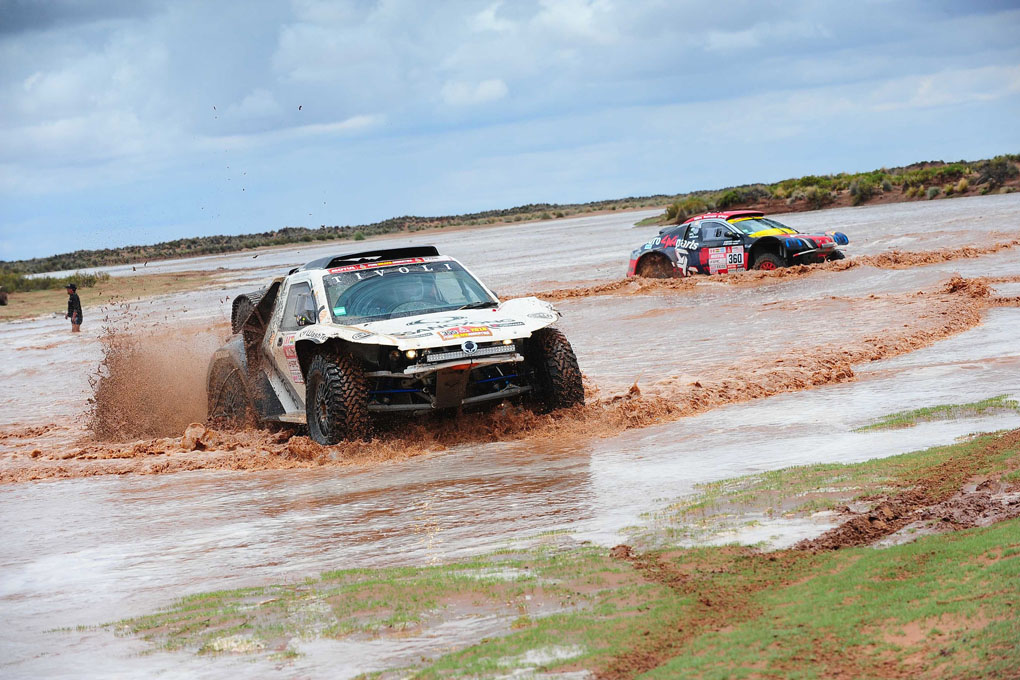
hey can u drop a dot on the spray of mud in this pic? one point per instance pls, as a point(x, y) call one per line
point(150, 383)
point(896, 259)
point(936, 314)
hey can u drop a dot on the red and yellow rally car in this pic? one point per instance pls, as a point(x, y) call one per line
point(721, 242)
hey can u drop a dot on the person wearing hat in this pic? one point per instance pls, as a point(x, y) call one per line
point(73, 308)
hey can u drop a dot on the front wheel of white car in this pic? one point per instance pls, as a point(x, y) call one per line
point(557, 377)
point(336, 400)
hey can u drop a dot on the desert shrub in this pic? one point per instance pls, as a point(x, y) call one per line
point(545, 216)
point(16, 282)
point(359, 236)
point(728, 199)
point(819, 181)
point(949, 189)
point(962, 185)
point(997, 171)
point(817, 198)
point(861, 190)
point(678, 212)
point(932, 192)
point(886, 185)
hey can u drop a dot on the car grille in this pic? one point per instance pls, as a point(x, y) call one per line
point(433, 357)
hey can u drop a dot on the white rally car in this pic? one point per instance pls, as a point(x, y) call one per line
point(344, 338)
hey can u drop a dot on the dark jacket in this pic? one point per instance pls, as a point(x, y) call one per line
point(74, 307)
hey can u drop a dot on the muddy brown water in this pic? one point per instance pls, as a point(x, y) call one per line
point(92, 550)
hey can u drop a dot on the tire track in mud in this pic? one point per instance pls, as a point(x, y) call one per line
point(954, 308)
point(895, 259)
point(714, 607)
point(939, 494)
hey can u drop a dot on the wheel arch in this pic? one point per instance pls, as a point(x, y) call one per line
point(650, 256)
point(253, 327)
point(766, 244)
point(307, 348)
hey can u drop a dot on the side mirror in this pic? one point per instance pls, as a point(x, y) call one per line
point(303, 320)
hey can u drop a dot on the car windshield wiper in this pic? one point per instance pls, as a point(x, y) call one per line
point(478, 305)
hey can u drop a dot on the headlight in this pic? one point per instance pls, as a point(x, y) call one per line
point(411, 353)
point(508, 341)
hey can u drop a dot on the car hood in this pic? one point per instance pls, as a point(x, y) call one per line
point(517, 318)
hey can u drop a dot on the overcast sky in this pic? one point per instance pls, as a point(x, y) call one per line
point(135, 122)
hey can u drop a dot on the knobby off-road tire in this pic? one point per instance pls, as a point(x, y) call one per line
point(655, 267)
point(768, 261)
point(336, 400)
point(557, 377)
point(242, 308)
point(229, 403)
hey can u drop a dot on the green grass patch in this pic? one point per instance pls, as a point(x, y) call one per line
point(999, 404)
point(942, 606)
point(650, 221)
point(721, 506)
point(536, 590)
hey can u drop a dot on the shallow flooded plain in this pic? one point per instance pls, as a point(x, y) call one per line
point(91, 550)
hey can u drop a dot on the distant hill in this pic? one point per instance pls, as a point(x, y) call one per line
point(919, 181)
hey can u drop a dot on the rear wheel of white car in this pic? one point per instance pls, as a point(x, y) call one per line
point(229, 404)
point(557, 377)
point(336, 400)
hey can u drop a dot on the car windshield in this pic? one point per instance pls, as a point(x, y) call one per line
point(361, 293)
point(751, 225)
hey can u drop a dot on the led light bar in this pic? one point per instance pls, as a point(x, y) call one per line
point(480, 352)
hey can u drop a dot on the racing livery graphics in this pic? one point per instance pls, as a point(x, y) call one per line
point(402, 330)
point(724, 242)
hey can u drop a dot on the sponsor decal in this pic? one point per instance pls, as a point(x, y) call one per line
point(681, 264)
point(504, 323)
point(315, 335)
point(412, 334)
point(726, 259)
point(458, 332)
point(361, 336)
point(290, 358)
point(373, 265)
point(380, 270)
point(288, 346)
point(541, 315)
point(441, 321)
point(688, 244)
point(669, 241)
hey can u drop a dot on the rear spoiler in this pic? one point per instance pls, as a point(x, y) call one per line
point(369, 255)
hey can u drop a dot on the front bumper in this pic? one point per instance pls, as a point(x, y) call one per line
point(451, 383)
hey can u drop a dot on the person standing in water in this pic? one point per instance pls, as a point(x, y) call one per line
point(73, 308)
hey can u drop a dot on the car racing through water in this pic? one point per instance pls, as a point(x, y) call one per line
point(723, 242)
point(399, 331)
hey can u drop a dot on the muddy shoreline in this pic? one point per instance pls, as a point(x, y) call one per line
point(933, 315)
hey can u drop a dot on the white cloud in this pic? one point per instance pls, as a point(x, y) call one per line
point(766, 33)
point(349, 126)
point(456, 93)
point(587, 20)
point(946, 88)
point(486, 20)
point(260, 103)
